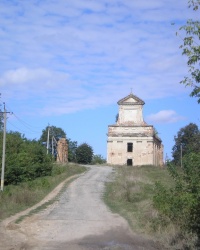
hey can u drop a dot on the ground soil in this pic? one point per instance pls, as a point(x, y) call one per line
point(78, 220)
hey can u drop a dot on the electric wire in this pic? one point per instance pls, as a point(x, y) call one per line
point(26, 124)
point(19, 129)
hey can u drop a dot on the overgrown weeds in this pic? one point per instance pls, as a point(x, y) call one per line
point(16, 198)
point(182, 206)
point(131, 195)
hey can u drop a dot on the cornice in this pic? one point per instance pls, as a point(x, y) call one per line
point(137, 99)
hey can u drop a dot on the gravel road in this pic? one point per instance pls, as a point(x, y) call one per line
point(78, 220)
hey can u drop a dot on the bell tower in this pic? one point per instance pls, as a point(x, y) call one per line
point(130, 111)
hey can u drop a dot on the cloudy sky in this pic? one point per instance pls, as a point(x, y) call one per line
point(67, 63)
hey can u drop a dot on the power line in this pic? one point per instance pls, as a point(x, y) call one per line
point(19, 129)
point(25, 123)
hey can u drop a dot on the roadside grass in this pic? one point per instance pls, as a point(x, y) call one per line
point(130, 194)
point(46, 204)
point(16, 198)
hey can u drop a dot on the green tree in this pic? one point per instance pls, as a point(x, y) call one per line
point(191, 49)
point(98, 159)
point(188, 138)
point(72, 146)
point(25, 159)
point(55, 132)
point(181, 204)
point(84, 153)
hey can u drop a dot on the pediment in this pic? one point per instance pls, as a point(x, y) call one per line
point(131, 100)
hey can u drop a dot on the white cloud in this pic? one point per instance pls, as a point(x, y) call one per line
point(89, 53)
point(165, 116)
point(23, 75)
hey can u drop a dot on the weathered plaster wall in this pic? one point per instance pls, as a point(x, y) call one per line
point(131, 128)
point(141, 155)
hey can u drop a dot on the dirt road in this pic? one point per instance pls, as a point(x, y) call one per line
point(78, 220)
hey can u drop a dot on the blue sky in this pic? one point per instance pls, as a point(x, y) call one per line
point(67, 63)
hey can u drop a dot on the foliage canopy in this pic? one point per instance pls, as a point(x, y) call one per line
point(72, 146)
point(188, 138)
point(182, 206)
point(54, 133)
point(98, 159)
point(84, 153)
point(25, 159)
point(191, 49)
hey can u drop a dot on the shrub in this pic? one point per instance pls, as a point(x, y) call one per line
point(84, 153)
point(98, 159)
point(181, 203)
point(25, 159)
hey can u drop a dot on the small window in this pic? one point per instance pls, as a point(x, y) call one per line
point(130, 147)
point(129, 162)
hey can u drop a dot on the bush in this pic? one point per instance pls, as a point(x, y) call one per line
point(84, 154)
point(98, 159)
point(25, 159)
point(181, 203)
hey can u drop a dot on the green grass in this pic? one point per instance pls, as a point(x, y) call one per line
point(130, 194)
point(16, 198)
point(46, 204)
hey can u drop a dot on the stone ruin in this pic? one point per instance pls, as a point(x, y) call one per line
point(62, 151)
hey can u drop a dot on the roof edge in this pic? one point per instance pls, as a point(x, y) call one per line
point(139, 101)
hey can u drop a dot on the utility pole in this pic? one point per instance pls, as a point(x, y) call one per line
point(52, 147)
point(166, 159)
point(48, 140)
point(4, 147)
point(56, 147)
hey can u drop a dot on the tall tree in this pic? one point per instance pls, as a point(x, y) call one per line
point(180, 203)
point(186, 141)
point(25, 159)
point(72, 146)
point(55, 132)
point(98, 159)
point(84, 153)
point(191, 49)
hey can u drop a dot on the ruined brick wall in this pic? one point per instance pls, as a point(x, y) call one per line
point(62, 151)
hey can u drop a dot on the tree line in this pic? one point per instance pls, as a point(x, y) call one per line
point(180, 204)
point(28, 159)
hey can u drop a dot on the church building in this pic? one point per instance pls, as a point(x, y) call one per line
point(131, 141)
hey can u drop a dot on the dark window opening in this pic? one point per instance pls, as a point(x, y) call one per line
point(129, 162)
point(129, 147)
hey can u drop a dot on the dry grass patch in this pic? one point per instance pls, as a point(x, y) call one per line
point(16, 198)
point(130, 194)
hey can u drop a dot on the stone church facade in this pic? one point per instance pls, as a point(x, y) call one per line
point(131, 141)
